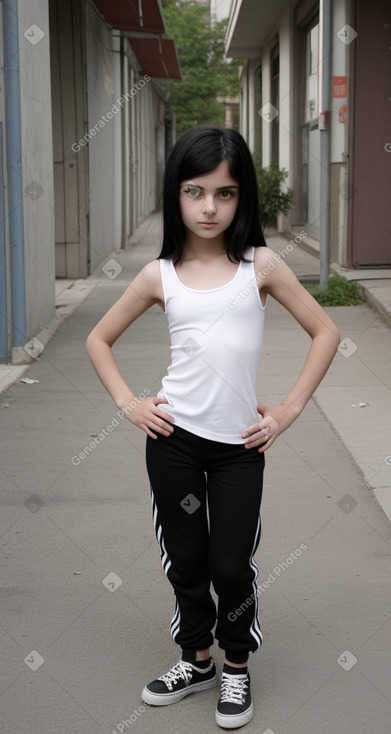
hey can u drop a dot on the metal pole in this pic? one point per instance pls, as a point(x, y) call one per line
point(14, 170)
point(3, 262)
point(324, 127)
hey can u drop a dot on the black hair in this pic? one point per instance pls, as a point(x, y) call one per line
point(197, 152)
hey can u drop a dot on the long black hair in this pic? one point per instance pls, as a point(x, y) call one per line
point(199, 151)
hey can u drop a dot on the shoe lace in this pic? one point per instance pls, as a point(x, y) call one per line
point(180, 671)
point(233, 688)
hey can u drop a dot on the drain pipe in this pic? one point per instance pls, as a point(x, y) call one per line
point(3, 263)
point(14, 178)
point(324, 128)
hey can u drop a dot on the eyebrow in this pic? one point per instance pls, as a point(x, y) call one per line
point(219, 188)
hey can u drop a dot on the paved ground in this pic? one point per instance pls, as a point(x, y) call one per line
point(85, 603)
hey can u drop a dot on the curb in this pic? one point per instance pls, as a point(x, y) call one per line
point(80, 290)
point(370, 298)
point(68, 300)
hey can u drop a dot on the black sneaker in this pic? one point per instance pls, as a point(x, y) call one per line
point(235, 707)
point(182, 679)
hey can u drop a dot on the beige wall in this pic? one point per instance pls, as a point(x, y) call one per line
point(119, 186)
point(101, 94)
point(123, 153)
point(37, 159)
point(336, 231)
point(289, 131)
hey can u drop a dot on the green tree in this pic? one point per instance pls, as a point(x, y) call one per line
point(207, 76)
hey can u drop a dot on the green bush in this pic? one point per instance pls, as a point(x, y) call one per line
point(339, 292)
point(272, 199)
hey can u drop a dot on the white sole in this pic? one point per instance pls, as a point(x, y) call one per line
point(165, 699)
point(232, 722)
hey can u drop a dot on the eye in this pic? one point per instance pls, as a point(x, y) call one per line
point(190, 192)
point(226, 194)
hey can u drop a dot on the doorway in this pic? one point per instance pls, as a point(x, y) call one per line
point(371, 155)
point(309, 127)
point(70, 156)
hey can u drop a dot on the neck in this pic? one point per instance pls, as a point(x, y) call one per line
point(205, 249)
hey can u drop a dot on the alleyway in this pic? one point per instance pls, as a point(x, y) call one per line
point(85, 603)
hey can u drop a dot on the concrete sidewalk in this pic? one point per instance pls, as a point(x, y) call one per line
point(85, 603)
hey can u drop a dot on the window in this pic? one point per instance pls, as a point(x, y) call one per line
point(275, 100)
point(312, 76)
point(258, 105)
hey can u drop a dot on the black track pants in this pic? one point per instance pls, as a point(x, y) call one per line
point(206, 499)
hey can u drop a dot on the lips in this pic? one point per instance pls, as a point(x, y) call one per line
point(210, 224)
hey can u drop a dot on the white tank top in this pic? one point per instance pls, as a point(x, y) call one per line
point(216, 342)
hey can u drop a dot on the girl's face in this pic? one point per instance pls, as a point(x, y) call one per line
point(208, 203)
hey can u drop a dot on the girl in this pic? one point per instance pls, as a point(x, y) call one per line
point(206, 435)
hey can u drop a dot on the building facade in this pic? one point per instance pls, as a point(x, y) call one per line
point(90, 80)
point(282, 114)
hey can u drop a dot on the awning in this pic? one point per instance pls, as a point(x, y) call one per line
point(250, 23)
point(132, 15)
point(157, 57)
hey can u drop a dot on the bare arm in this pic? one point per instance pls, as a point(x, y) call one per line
point(282, 284)
point(142, 293)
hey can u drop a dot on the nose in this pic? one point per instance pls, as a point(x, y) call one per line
point(209, 206)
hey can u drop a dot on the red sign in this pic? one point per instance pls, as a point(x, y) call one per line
point(340, 86)
point(342, 113)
